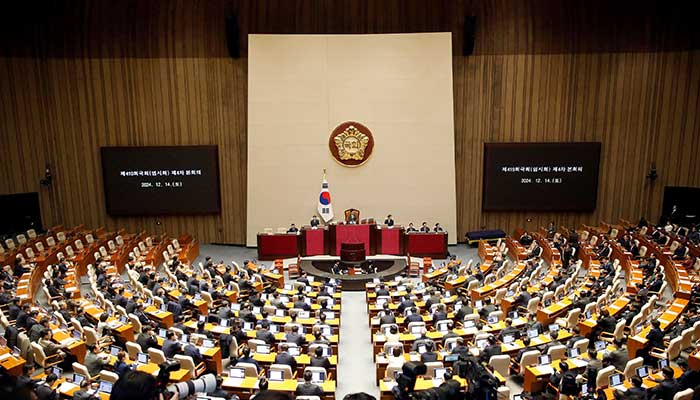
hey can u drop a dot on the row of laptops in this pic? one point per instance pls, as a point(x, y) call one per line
point(317, 377)
point(292, 350)
point(77, 379)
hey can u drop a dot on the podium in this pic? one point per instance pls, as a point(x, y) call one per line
point(353, 233)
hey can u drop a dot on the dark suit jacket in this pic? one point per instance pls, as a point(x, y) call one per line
point(287, 359)
point(429, 356)
point(320, 362)
point(308, 389)
point(44, 392)
point(665, 390)
point(170, 348)
point(265, 335)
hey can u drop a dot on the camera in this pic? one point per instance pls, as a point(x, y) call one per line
point(203, 384)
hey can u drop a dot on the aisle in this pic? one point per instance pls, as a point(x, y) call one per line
point(356, 363)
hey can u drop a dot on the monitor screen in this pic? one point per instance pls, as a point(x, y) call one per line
point(544, 359)
point(616, 379)
point(642, 372)
point(573, 353)
point(114, 350)
point(439, 373)
point(540, 176)
point(318, 376)
point(208, 343)
point(276, 375)
point(532, 333)
point(508, 339)
point(663, 363)
point(174, 180)
point(77, 379)
point(105, 387)
point(162, 332)
point(262, 349)
point(554, 328)
point(236, 373)
point(57, 371)
point(600, 345)
point(142, 358)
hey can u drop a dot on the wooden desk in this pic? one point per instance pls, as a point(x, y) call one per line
point(11, 364)
point(487, 290)
point(421, 384)
point(245, 387)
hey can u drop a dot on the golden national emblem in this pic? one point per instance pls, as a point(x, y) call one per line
point(351, 144)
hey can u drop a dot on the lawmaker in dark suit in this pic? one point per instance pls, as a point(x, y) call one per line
point(655, 337)
point(293, 229)
point(192, 351)
point(314, 222)
point(636, 392)
point(171, 346)
point(262, 333)
point(319, 360)
point(389, 221)
point(283, 357)
point(44, 390)
point(307, 388)
point(429, 355)
point(667, 388)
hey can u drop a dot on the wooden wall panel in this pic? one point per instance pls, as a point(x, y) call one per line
point(77, 75)
point(641, 106)
point(77, 105)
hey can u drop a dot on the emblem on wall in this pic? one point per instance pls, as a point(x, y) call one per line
point(351, 144)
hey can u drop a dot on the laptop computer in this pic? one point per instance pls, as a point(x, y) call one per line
point(318, 377)
point(478, 304)
point(600, 345)
point(236, 373)
point(162, 332)
point(77, 335)
point(508, 339)
point(513, 314)
point(481, 344)
point(293, 351)
point(279, 312)
point(616, 380)
point(142, 358)
point(208, 343)
point(105, 387)
point(276, 375)
point(248, 326)
point(184, 339)
point(202, 318)
point(642, 371)
point(57, 371)
point(417, 329)
point(663, 363)
point(439, 373)
point(77, 378)
point(422, 349)
point(554, 328)
point(303, 314)
point(492, 319)
point(114, 350)
point(274, 328)
point(469, 323)
point(262, 349)
point(223, 323)
point(573, 353)
point(532, 333)
point(544, 359)
point(329, 314)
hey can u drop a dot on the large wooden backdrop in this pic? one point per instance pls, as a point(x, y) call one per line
point(77, 75)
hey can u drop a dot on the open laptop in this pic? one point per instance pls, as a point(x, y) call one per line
point(105, 387)
point(57, 371)
point(417, 330)
point(77, 379)
point(643, 371)
point(318, 377)
point(478, 304)
point(208, 343)
point(663, 363)
point(469, 323)
point(77, 335)
point(481, 344)
point(508, 339)
point(600, 345)
point(262, 349)
point(223, 323)
point(573, 352)
point(276, 375)
point(294, 351)
point(492, 319)
point(544, 359)
point(236, 373)
point(439, 373)
point(142, 358)
point(279, 312)
point(616, 380)
point(114, 350)
point(274, 328)
point(162, 332)
point(554, 328)
point(533, 333)
point(422, 349)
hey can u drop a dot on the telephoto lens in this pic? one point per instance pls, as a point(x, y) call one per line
point(204, 384)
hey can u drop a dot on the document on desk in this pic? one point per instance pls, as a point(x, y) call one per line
point(545, 370)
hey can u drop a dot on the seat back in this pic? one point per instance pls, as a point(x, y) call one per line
point(686, 394)
point(674, 348)
point(109, 376)
point(631, 367)
point(557, 352)
point(582, 345)
point(89, 238)
point(51, 242)
point(286, 370)
point(133, 349)
point(10, 244)
point(500, 364)
point(528, 358)
point(603, 377)
point(186, 362)
point(430, 368)
point(61, 236)
point(21, 239)
point(157, 356)
point(31, 233)
point(90, 335)
point(81, 369)
point(39, 355)
point(250, 370)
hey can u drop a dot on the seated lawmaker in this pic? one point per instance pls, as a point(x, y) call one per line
point(424, 227)
point(389, 221)
point(352, 219)
point(315, 222)
point(438, 228)
point(411, 228)
point(292, 229)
